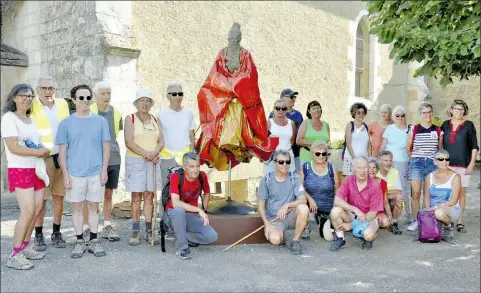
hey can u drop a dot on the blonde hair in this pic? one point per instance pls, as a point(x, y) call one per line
point(320, 145)
point(278, 101)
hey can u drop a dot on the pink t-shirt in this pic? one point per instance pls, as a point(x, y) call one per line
point(376, 131)
point(370, 199)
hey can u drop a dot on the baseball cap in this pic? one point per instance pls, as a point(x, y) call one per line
point(143, 94)
point(288, 92)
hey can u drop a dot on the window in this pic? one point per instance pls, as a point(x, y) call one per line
point(361, 88)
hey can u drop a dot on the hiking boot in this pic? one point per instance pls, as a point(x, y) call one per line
point(108, 233)
point(413, 226)
point(193, 244)
point(366, 245)
point(184, 253)
point(283, 242)
point(394, 229)
point(57, 240)
point(96, 248)
point(19, 262)
point(306, 234)
point(135, 238)
point(296, 248)
point(78, 249)
point(148, 237)
point(337, 243)
point(30, 252)
point(447, 234)
point(39, 242)
point(87, 235)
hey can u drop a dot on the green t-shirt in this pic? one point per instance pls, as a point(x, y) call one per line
point(311, 136)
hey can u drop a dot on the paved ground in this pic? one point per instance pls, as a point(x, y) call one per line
point(397, 263)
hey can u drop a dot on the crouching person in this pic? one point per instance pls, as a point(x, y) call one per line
point(280, 191)
point(189, 221)
point(356, 206)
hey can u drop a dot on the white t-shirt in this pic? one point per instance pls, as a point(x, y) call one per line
point(13, 126)
point(176, 127)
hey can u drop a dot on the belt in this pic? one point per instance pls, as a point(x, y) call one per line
point(54, 156)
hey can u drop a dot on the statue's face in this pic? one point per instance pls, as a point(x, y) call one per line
point(234, 38)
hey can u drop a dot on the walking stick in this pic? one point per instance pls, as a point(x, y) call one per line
point(257, 230)
point(155, 203)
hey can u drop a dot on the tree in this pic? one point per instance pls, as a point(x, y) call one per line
point(442, 35)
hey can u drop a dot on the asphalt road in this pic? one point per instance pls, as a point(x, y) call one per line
point(397, 263)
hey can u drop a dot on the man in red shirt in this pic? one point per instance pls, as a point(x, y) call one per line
point(183, 214)
point(358, 201)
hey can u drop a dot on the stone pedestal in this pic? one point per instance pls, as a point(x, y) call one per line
point(232, 228)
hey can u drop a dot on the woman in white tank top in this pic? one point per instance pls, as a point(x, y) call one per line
point(285, 130)
point(357, 138)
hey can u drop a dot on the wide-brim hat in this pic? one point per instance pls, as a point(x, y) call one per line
point(143, 94)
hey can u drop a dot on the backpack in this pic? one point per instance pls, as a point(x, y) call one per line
point(429, 228)
point(308, 166)
point(358, 228)
point(352, 131)
point(415, 131)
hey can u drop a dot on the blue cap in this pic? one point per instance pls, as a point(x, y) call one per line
point(288, 92)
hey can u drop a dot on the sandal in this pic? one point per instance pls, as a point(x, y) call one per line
point(461, 228)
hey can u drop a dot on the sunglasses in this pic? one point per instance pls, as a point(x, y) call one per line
point(281, 108)
point(324, 154)
point(81, 98)
point(180, 94)
point(293, 97)
point(400, 115)
point(443, 159)
point(281, 162)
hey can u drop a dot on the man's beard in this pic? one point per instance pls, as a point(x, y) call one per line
point(233, 57)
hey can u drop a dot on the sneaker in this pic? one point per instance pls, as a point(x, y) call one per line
point(19, 262)
point(366, 245)
point(193, 244)
point(337, 244)
point(283, 242)
point(135, 238)
point(78, 249)
point(184, 253)
point(447, 233)
point(413, 226)
point(108, 233)
point(30, 252)
point(87, 235)
point(95, 248)
point(394, 229)
point(57, 240)
point(39, 242)
point(296, 248)
point(148, 237)
point(306, 234)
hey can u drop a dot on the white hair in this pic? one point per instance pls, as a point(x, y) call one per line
point(386, 107)
point(102, 85)
point(399, 109)
point(356, 160)
point(45, 78)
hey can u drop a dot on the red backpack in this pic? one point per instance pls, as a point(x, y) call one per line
point(415, 131)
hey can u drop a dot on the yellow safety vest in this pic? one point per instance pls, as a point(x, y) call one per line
point(391, 178)
point(117, 117)
point(42, 122)
point(178, 156)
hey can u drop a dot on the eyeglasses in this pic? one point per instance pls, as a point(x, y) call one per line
point(443, 159)
point(24, 97)
point(81, 98)
point(154, 129)
point(324, 154)
point(425, 113)
point(360, 113)
point(400, 115)
point(45, 89)
point(180, 94)
point(459, 109)
point(281, 162)
point(281, 109)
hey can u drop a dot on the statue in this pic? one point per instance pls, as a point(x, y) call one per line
point(234, 126)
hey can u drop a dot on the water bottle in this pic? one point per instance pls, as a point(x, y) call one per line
point(31, 144)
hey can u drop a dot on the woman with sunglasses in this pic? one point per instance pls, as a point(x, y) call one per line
point(460, 140)
point(17, 130)
point(394, 140)
point(441, 193)
point(321, 183)
point(283, 128)
point(311, 130)
point(144, 141)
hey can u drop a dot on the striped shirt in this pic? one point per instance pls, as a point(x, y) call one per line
point(426, 142)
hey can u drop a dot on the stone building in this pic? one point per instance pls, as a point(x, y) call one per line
point(321, 49)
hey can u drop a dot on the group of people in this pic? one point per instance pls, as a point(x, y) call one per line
point(52, 152)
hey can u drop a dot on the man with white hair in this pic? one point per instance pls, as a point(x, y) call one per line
point(377, 128)
point(178, 127)
point(102, 107)
point(357, 204)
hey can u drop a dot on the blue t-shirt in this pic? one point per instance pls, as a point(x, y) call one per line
point(396, 142)
point(295, 116)
point(84, 138)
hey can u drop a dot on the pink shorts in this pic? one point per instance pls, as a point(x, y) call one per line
point(24, 178)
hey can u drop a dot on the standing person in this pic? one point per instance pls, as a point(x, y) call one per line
point(357, 138)
point(394, 140)
point(459, 139)
point(17, 128)
point(423, 142)
point(283, 128)
point(102, 107)
point(178, 127)
point(311, 130)
point(47, 112)
point(144, 141)
point(84, 153)
point(290, 96)
point(377, 128)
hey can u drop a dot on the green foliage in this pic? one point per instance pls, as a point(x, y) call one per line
point(444, 34)
point(337, 144)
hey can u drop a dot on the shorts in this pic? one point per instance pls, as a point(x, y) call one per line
point(113, 173)
point(419, 168)
point(86, 188)
point(464, 178)
point(455, 213)
point(346, 166)
point(24, 178)
point(139, 175)
point(288, 223)
point(56, 187)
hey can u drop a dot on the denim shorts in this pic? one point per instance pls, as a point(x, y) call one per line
point(419, 168)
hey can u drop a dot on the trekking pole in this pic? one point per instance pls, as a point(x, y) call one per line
point(154, 213)
point(255, 231)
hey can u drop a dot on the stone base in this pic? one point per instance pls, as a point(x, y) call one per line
point(232, 228)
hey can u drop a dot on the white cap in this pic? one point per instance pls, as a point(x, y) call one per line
point(143, 94)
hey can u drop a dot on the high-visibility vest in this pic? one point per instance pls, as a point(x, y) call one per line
point(117, 117)
point(178, 156)
point(391, 178)
point(42, 122)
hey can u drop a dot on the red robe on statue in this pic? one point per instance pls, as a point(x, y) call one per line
point(232, 117)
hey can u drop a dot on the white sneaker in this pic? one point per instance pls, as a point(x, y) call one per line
point(413, 226)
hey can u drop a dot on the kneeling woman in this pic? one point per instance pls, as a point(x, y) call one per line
point(386, 217)
point(441, 193)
